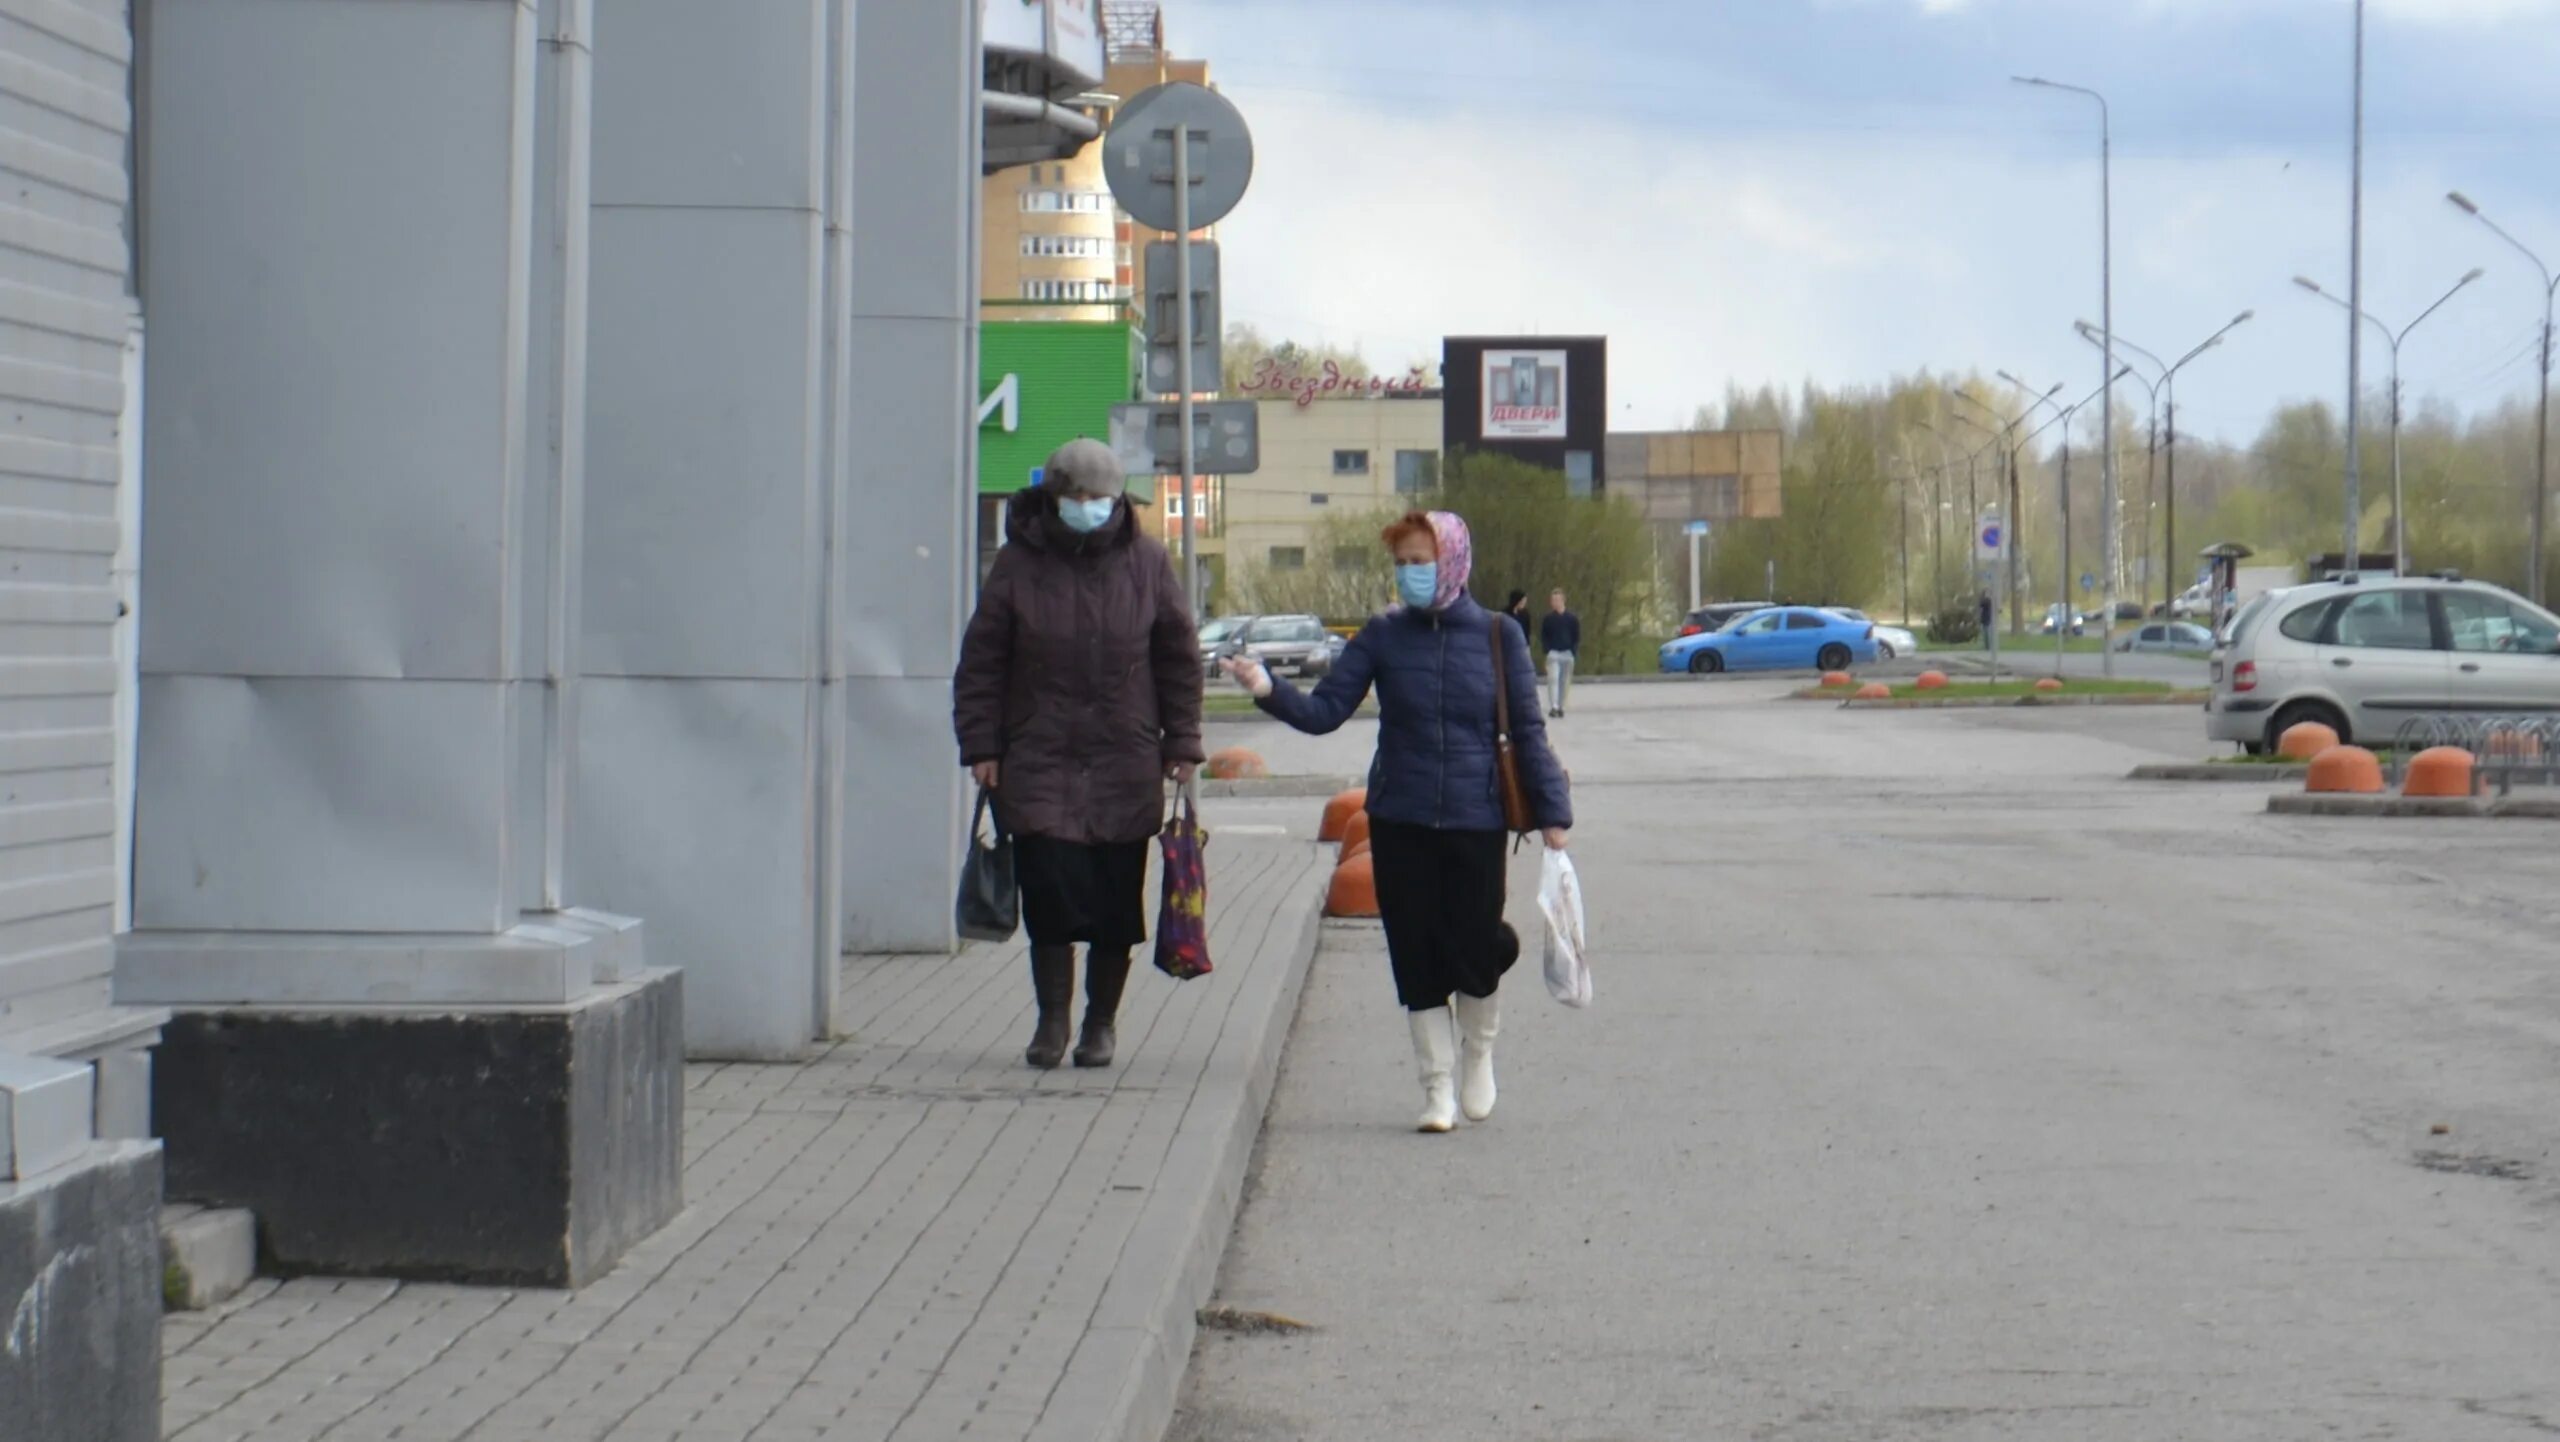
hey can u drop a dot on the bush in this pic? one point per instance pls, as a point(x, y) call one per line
point(1957, 625)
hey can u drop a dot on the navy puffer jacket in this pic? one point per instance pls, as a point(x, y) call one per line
point(1433, 671)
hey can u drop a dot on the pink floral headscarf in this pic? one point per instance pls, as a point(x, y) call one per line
point(1457, 557)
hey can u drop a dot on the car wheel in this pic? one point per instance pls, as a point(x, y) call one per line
point(2254, 748)
point(1884, 650)
point(1834, 657)
point(1705, 663)
point(2294, 715)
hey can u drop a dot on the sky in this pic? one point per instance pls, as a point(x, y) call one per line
point(1845, 190)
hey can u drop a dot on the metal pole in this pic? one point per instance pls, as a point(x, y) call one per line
point(2150, 493)
point(1694, 602)
point(2541, 459)
point(2062, 623)
point(2171, 568)
point(1906, 543)
point(1183, 322)
point(2399, 497)
point(2355, 321)
point(2109, 498)
point(2017, 538)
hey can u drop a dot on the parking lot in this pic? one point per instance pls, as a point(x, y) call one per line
point(1942, 1083)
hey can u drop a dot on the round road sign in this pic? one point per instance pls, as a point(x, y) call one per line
point(1137, 156)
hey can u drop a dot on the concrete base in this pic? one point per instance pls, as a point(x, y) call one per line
point(520, 1145)
point(80, 1299)
point(207, 1255)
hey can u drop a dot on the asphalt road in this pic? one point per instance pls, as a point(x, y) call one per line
point(1941, 1085)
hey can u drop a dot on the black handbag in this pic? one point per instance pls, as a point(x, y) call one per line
point(990, 906)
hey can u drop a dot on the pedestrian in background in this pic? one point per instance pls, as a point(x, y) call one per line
point(1517, 608)
point(1435, 805)
point(1560, 634)
point(1983, 613)
point(1077, 695)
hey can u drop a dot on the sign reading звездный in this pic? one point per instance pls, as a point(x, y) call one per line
point(1268, 380)
point(1524, 395)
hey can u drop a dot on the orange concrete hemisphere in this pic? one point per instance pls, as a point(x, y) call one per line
point(2049, 683)
point(2351, 770)
point(1339, 811)
point(1837, 680)
point(1354, 891)
point(1875, 691)
point(2509, 744)
point(1355, 832)
point(1932, 681)
point(1356, 848)
point(1237, 764)
point(2304, 740)
point(2439, 771)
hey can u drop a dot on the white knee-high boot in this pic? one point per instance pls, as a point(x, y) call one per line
point(1433, 1054)
point(1479, 1019)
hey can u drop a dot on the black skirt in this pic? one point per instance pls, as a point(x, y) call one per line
point(1440, 895)
point(1073, 892)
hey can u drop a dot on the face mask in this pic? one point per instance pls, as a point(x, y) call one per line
point(1085, 516)
point(1417, 586)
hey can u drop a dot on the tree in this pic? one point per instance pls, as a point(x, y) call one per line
point(1532, 534)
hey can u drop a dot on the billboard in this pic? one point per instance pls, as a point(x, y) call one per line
point(1042, 384)
point(1524, 395)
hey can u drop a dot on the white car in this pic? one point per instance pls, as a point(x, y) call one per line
point(2366, 657)
point(1891, 641)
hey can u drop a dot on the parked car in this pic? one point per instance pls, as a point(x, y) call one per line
point(2364, 656)
point(1891, 641)
point(2167, 637)
point(1298, 644)
point(1719, 615)
point(1782, 638)
point(1214, 635)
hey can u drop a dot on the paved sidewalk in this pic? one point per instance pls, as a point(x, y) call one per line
point(912, 1237)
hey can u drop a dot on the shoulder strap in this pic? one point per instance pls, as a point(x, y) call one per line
point(1501, 683)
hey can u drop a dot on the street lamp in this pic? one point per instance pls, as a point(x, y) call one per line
point(2106, 319)
point(2169, 387)
point(2062, 415)
point(2542, 422)
point(2016, 535)
point(2399, 498)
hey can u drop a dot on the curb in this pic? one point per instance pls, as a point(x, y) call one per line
point(1280, 787)
point(1137, 1346)
point(2226, 772)
point(2331, 804)
point(1974, 703)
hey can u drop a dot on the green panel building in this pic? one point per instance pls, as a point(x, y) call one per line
point(1042, 384)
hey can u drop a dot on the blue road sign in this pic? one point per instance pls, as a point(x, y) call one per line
point(1699, 528)
point(2088, 582)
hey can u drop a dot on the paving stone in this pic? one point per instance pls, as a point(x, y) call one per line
point(909, 1236)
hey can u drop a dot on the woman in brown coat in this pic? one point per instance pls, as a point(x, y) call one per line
point(1078, 694)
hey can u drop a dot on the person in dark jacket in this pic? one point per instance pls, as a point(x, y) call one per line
point(1560, 636)
point(1077, 695)
point(1517, 608)
point(1435, 807)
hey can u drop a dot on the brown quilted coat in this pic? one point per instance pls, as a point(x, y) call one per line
point(1081, 674)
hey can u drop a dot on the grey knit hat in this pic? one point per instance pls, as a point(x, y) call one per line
point(1088, 466)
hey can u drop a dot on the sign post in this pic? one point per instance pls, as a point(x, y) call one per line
point(1156, 189)
point(1698, 531)
point(1991, 545)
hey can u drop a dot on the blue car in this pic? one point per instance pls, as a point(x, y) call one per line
point(1781, 638)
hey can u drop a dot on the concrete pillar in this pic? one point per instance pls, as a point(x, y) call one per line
point(912, 466)
point(708, 721)
point(364, 260)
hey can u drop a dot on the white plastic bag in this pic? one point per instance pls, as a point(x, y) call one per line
point(1560, 901)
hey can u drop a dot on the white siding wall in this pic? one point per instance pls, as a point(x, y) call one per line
point(65, 320)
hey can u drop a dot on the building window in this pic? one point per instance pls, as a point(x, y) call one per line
point(1288, 558)
point(1067, 202)
point(1070, 292)
point(1351, 463)
point(1350, 558)
point(1318, 498)
point(1065, 247)
point(1413, 472)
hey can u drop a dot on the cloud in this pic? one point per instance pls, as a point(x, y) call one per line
point(1945, 7)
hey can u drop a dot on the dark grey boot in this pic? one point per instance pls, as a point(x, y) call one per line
point(1106, 975)
point(1053, 986)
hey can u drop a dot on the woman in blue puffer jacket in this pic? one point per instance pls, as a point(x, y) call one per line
point(1436, 827)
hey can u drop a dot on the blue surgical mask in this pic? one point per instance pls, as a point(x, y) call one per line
point(1418, 586)
point(1085, 516)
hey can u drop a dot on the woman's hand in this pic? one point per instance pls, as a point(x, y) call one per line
point(1555, 838)
point(987, 774)
point(1180, 773)
point(1248, 673)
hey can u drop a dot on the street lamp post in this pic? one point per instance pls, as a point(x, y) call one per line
point(2399, 496)
point(2062, 415)
point(2016, 536)
point(2107, 319)
point(2542, 422)
point(2151, 433)
point(2169, 438)
point(2353, 561)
